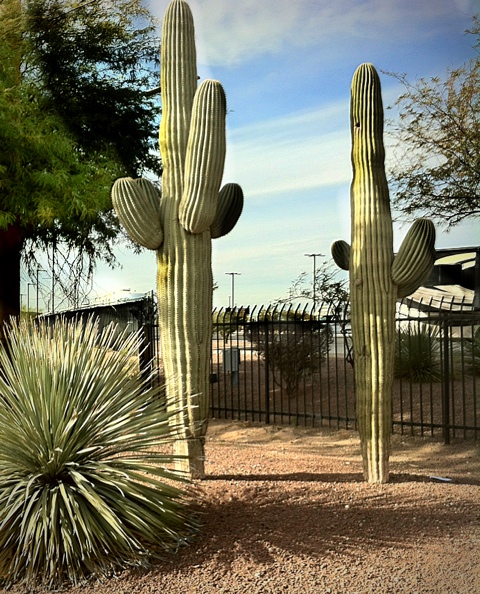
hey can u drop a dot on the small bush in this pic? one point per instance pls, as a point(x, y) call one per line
point(466, 354)
point(83, 484)
point(290, 351)
point(417, 354)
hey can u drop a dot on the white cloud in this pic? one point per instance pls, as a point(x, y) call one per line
point(298, 151)
point(239, 30)
point(295, 152)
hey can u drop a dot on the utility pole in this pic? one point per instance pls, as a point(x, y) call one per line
point(37, 271)
point(28, 298)
point(314, 256)
point(233, 275)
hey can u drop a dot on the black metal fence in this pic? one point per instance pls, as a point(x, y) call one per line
point(293, 365)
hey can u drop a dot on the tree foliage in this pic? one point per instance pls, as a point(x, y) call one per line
point(96, 61)
point(46, 181)
point(73, 117)
point(436, 166)
point(327, 288)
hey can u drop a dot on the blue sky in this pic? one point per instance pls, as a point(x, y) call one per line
point(286, 66)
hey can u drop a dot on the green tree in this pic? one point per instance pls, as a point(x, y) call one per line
point(98, 61)
point(295, 344)
point(55, 179)
point(292, 344)
point(327, 289)
point(436, 167)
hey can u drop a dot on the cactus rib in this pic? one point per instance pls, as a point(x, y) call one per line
point(190, 212)
point(376, 279)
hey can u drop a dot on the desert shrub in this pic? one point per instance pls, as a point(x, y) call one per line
point(466, 354)
point(417, 354)
point(84, 482)
point(293, 349)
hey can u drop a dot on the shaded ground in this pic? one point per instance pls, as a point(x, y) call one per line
point(286, 510)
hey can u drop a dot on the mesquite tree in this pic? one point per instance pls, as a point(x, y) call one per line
point(436, 169)
point(72, 84)
point(377, 278)
point(180, 221)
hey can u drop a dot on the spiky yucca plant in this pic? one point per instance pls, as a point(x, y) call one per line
point(83, 484)
point(417, 354)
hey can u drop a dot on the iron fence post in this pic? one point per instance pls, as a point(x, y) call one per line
point(446, 383)
point(267, 377)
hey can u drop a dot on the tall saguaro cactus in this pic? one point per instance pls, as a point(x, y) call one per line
point(180, 221)
point(377, 278)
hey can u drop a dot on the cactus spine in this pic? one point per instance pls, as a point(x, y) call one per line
point(180, 222)
point(376, 277)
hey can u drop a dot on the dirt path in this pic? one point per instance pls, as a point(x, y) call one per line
point(286, 510)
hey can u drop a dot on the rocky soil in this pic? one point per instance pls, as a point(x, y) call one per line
point(287, 510)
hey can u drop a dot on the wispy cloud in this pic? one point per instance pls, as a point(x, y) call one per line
point(239, 30)
point(299, 151)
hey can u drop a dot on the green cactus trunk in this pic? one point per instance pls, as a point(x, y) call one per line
point(180, 224)
point(184, 259)
point(376, 278)
point(373, 293)
point(185, 285)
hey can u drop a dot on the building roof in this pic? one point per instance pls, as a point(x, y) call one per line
point(446, 297)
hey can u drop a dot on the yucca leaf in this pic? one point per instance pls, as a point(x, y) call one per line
point(85, 486)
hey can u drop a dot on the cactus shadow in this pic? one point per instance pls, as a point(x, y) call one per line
point(259, 519)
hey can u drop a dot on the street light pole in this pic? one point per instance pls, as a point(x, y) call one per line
point(28, 298)
point(314, 256)
point(233, 275)
point(37, 271)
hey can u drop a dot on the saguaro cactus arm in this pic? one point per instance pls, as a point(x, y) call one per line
point(415, 257)
point(205, 158)
point(229, 209)
point(413, 263)
point(341, 254)
point(137, 204)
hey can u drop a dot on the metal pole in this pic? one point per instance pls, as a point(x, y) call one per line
point(476, 282)
point(446, 383)
point(36, 288)
point(267, 373)
point(233, 275)
point(53, 275)
point(28, 297)
point(314, 256)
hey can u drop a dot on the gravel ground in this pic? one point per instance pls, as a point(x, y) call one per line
point(286, 510)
